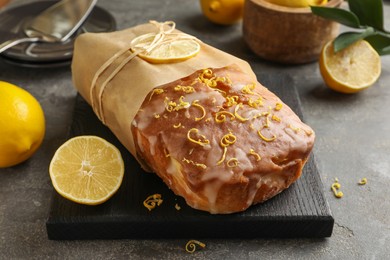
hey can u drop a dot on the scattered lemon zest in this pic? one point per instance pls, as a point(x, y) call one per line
point(194, 82)
point(195, 103)
point(201, 165)
point(296, 129)
point(363, 181)
point(177, 125)
point(169, 105)
point(207, 77)
point(276, 118)
point(278, 106)
point(221, 91)
point(186, 89)
point(247, 89)
point(199, 141)
point(220, 116)
point(173, 106)
point(222, 79)
point(156, 91)
point(191, 245)
point(223, 156)
point(152, 201)
point(336, 189)
point(228, 139)
point(266, 125)
point(242, 119)
point(182, 104)
point(211, 83)
point(208, 119)
point(232, 162)
point(252, 152)
point(255, 104)
point(308, 132)
point(265, 138)
point(231, 100)
point(257, 115)
point(206, 72)
point(177, 207)
point(156, 116)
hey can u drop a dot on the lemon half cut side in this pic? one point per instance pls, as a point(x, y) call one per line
point(170, 51)
point(352, 69)
point(87, 170)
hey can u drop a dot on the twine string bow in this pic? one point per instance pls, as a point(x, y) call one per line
point(165, 35)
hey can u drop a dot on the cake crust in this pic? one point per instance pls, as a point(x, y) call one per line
point(221, 140)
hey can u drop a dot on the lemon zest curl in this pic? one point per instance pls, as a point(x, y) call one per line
point(242, 119)
point(152, 201)
point(252, 152)
point(363, 181)
point(199, 141)
point(201, 165)
point(266, 138)
point(195, 103)
point(278, 106)
point(156, 91)
point(336, 189)
point(220, 116)
point(192, 244)
point(232, 162)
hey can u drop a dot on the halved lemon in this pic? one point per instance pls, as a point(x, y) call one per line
point(87, 170)
point(170, 51)
point(298, 3)
point(352, 69)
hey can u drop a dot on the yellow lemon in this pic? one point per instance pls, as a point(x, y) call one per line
point(224, 12)
point(298, 3)
point(87, 170)
point(22, 125)
point(172, 51)
point(352, 69)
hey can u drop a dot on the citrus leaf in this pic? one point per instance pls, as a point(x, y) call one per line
point(370, 12)
point(380, 43)
point(336, 14)
point(345, 39)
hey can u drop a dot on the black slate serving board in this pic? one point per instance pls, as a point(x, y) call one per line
point(300, 211)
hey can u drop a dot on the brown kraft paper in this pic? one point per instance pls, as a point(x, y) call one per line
point(124, 94)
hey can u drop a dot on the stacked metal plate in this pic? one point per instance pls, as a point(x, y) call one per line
point(14, 20)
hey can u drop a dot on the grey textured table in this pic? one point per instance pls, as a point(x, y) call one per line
point(353, 141)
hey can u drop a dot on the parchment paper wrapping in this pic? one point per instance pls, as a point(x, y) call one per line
point(125, 93)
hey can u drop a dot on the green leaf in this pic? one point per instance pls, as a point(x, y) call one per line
point(345, 39)
point(336, 14)
point(380, 42)
point(370, 12)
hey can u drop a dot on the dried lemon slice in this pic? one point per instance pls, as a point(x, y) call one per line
point(87, 170)
point(168, 51)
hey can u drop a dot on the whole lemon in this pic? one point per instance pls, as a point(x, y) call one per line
point(22, 125)
point(224, 12)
